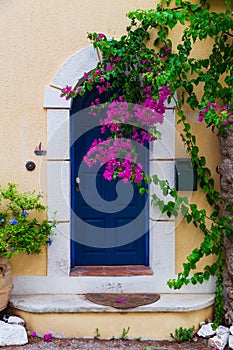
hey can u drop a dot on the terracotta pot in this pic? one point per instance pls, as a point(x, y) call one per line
point(6, 284)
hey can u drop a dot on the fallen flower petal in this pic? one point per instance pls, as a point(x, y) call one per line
point(48, 337)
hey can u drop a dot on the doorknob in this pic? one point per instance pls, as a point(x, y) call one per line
point(77, 180)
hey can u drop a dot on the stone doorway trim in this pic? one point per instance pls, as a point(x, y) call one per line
point(162, 231)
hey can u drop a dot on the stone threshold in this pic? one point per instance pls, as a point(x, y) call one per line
point(73, 303)
point(118, 270)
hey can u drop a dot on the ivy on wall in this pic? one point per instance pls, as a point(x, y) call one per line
point(146, 77)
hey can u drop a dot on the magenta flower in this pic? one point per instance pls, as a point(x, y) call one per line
point(145, 61)
point(109, 68)
point(200, 118)
point(67, 91)
point(34, 334)
point(163, 56)
point(98, 71)
point(121, 300)
point(147, 89)
point(101, 36)
point(117, 59)
point(100, 89)
point(166, 48)
point(48, 337)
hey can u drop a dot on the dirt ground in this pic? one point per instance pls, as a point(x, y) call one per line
point(89, 344)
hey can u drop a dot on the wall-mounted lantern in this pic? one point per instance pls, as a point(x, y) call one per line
point(185, 175)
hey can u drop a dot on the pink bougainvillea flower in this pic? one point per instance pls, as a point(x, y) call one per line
point(117, 59)
point(98, 71)
point(48, 337)
point(67, 91)
point(147, 89)
point(34, 334)
point(100, 89)
point(145, 61)
point(109, 67)
point(101, 36)
point(166, 48)
point(200, 118)
point(163, 56)
point(79, 90)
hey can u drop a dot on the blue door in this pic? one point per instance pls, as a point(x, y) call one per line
point(109, 219)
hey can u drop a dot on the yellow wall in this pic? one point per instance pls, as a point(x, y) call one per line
point(145, 325)
point(37, 37)
point(187, 235)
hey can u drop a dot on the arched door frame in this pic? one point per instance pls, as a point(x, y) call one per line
point(162, 231)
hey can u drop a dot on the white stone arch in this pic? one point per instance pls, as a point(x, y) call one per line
point(58, 157)
point(162, 235)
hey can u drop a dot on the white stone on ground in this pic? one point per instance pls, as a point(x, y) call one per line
point(221, 330)
point(206, 330)
point(230, 341)
point(220, 340)
point(231, 330)
point(16, 320)
point(12, 334)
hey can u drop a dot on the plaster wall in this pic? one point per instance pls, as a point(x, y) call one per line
point(37, 37)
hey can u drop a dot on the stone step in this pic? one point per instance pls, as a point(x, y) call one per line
point(46, 303)
point(70, 315)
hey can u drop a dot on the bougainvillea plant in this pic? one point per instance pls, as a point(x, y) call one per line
point(146, 76)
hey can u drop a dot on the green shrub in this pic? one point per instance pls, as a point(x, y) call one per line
point(20, 230)
point(183, 334)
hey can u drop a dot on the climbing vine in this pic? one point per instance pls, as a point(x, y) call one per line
point(147, 76)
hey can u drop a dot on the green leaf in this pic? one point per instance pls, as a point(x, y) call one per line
point(142, 190)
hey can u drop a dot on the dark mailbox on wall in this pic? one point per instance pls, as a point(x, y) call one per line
point(185, 175)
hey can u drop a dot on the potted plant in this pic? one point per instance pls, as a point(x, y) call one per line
point(20, 232)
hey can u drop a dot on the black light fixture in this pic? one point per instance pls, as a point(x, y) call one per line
point(30, 166)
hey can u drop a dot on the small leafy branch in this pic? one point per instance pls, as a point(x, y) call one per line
point(183, 334)
point(125, 333)
point(97, 334)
